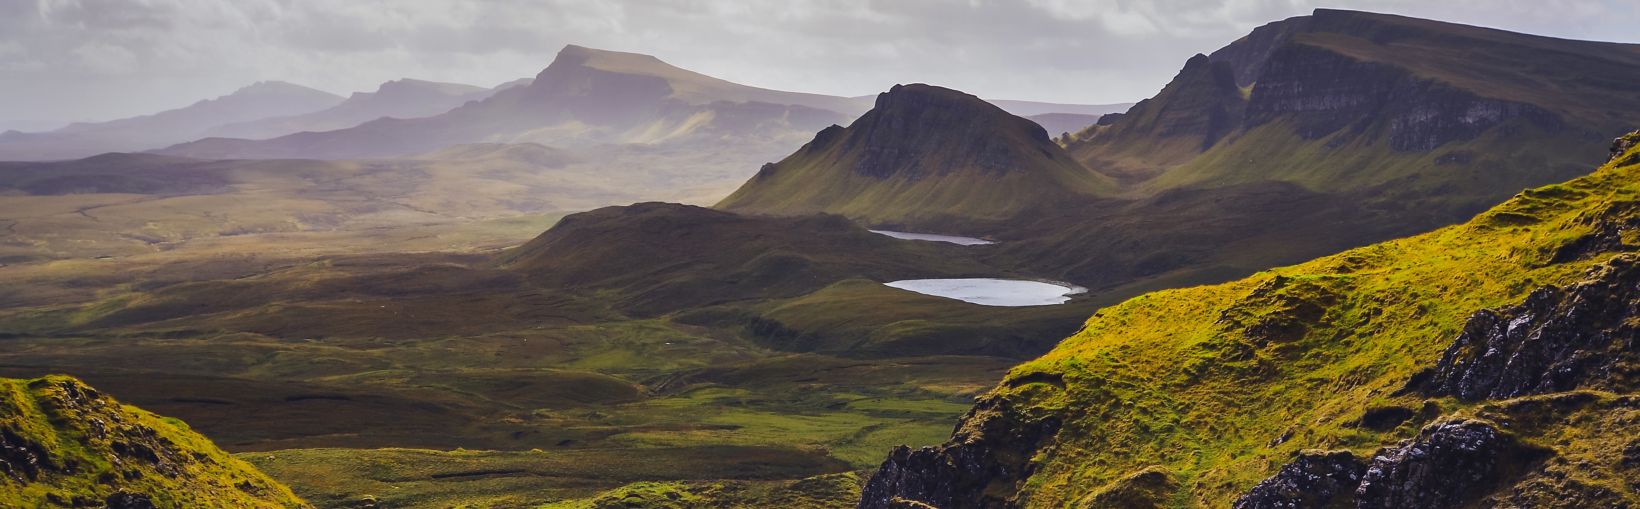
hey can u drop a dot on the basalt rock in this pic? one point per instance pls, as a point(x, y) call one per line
point(1583, 336)
point(1448, 464)
point(1314, 479)
point(1324, 92)
point(981, 466)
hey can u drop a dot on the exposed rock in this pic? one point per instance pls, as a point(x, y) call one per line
point(125, 500)
point(1314, 479)
point(1323, 92)
point(1621, 146)
point(1448, 464)
point(1584, 336)
point(980, 467)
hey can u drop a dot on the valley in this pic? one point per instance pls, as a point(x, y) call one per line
point(1324, 263)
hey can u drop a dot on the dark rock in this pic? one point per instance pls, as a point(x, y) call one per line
point(1314, 479)
point(1384, 418)
point(981, 466)
point(1621, 146)
point(21, 459)
point(1447, 465)
point(125, 500)
point(1584, 336)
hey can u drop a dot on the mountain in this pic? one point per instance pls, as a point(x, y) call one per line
point(260, 100)
point(923, 155)
point(586, 96)
point(1487, 364)
point(63, 443)
point(405, 98)
point(1344, 101)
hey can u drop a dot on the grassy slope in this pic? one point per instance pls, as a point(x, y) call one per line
point(90, 447)
point(941, 183)
point(1203, 380)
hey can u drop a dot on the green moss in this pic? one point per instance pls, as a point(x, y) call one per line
point(74, 446)
point(1221, 384)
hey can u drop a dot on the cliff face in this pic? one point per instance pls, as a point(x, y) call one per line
point(1322, 92)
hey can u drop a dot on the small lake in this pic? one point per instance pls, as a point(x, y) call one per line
point(992, 292)
point(934, 237)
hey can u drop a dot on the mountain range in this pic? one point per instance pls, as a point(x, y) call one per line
point(1347, 260)
point(257, 101)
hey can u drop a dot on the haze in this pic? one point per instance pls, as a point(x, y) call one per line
point(79, 60)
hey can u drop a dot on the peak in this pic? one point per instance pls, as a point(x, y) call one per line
point(1199, 60)
point(923, 95)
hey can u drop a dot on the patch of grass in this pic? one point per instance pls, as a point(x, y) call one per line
point(1221, 384)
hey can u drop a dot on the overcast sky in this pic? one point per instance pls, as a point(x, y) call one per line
point(66, 60)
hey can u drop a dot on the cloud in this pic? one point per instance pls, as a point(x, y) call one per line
point(91, 59)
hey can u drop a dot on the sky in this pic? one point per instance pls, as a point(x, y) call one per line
point(84, 60)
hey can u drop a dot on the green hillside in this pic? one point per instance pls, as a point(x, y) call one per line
point(924, 156)
point(1212, 389)
point(62, 443)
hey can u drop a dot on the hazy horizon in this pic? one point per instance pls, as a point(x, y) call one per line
point(92, 60)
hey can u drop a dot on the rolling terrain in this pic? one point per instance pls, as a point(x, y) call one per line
point(457, 307)
point(1500, 348)
point(1307, 136)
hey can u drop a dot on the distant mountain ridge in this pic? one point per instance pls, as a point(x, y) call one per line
point(260, 100)
point(404, 98)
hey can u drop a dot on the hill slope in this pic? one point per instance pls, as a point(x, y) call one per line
point(65, 444)
point(664, 257)
point(1500, 352)
point(404, 98)
point(261, 100)
point(923, 155)
point(585, 96)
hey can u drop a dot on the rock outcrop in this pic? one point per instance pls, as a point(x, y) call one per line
point(981, 467)
point(1322, 91)
point(1449, 464)
point(1313, 479)
point(1582, 336)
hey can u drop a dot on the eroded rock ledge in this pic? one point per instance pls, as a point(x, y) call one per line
point(1447, 465)
point(1583, 336)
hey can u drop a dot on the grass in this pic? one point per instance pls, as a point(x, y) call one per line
point(1202, 381)
point(70, 445)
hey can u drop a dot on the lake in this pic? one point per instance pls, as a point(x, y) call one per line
point(992, 292)
point(934, 237)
